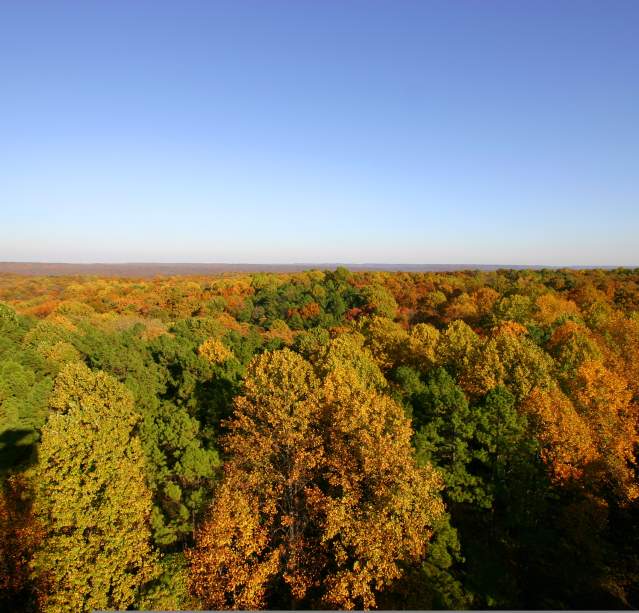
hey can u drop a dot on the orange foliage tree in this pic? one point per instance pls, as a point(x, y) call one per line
point(567, 447)
point(321, 499)
point(604, 400)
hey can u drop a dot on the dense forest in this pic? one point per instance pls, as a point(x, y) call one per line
point(322, 439)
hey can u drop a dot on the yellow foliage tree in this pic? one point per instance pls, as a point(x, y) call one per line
point(91, 497)
point(214, 351)
point(377, 508)
point(422, 346)
point(456, 346)
point(321, 499)
point(387, 341)
point(551, 307)
point(507, 358)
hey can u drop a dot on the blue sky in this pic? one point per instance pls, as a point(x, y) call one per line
point(320, 131)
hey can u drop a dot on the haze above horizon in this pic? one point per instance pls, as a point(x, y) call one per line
point(309, 132)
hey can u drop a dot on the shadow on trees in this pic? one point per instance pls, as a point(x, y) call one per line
point(18, 448)
point(579, 552)
point(19, 536)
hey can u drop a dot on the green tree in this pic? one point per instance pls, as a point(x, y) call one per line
point(445, 428)
point(181, 471)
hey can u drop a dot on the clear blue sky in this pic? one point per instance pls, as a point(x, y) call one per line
point(320, 131)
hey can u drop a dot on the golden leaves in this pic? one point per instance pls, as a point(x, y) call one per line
point(423, 346)
point(214, 351)
point(593, 437)
point(551, 307)
point(320, 491)
point(603, 398)
point(567, 444)
point(92, 497)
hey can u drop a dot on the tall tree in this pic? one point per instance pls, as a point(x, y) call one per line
point(321, 499)
point(92, 497)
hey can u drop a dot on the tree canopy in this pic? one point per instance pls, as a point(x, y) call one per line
point(322, 439)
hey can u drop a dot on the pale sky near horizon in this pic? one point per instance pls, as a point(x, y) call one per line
point(470, 132)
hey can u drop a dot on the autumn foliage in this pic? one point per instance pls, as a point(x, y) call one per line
point(321, 498)
point(322, 439)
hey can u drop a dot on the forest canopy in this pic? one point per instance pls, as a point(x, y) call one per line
point(320, 439)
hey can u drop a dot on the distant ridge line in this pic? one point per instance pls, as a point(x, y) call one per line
point(151, 269)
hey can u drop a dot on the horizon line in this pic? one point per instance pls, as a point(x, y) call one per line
point(36, 267)
point(298, 263)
